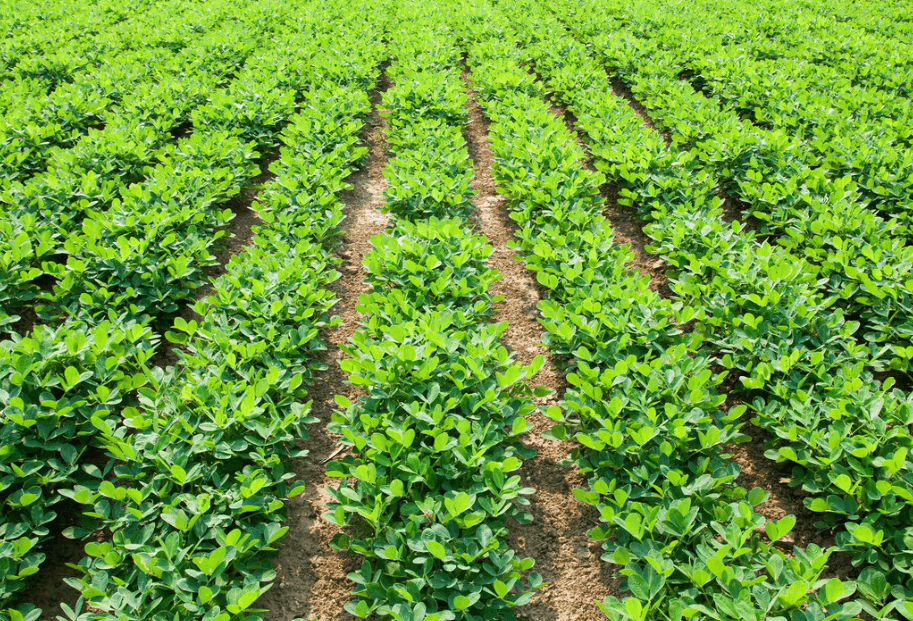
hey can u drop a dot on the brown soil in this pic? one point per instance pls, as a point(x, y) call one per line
point(311, 579)
point(28, 319)
point(628, 230)
point(47, 589)
point(735, 209)
point(556, 538)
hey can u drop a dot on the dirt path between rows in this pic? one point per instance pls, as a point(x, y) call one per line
point(556, 538)
point(311, 579)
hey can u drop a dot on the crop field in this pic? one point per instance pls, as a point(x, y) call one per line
point(415, 310)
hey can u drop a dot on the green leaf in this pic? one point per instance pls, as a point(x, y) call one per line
point(340, 542)
point(864, 534)
point(634, 608)
point(436, 549)
point(844, 482)
point(459, 504)
point(461, 602)
point(72, 376)
point(778, 529)
point(519, 426)
point(555, 432)
point(833, 590)
point(756, 496)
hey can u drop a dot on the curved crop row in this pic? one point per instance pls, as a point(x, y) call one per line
point(760, 308)
point(643, 404)
point(201, 465)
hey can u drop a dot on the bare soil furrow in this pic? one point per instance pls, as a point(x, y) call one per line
point(311, 579)
point(556, 538)
point(47, 589)
point(628, 230)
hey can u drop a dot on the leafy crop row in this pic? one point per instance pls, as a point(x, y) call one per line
point(104, 170)
point(820, 212)
point(202, 477)
point(46, 43)
point(643, 404)
point(127, 208)
point(429, 485)
point(760, 309)
point(152, 80)
point(68, 385)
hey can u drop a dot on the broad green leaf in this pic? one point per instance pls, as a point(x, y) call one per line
point(436, 549)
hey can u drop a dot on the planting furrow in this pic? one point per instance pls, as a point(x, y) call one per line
point(556, 537)
point(765, 319)
point(643, 406)
point(311, 577)
point(428, 487)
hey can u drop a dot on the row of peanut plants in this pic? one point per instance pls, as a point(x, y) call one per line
point(845, 129)
point(130, 195)
point(430, 482)
point(46, 43)
point(765, 318)
point(66, 383)
point(203, 462)
point(867, 76)
point(643, 405)
point(103, 171)
point(844, 244)
point(823, 211)
point(131, 91)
